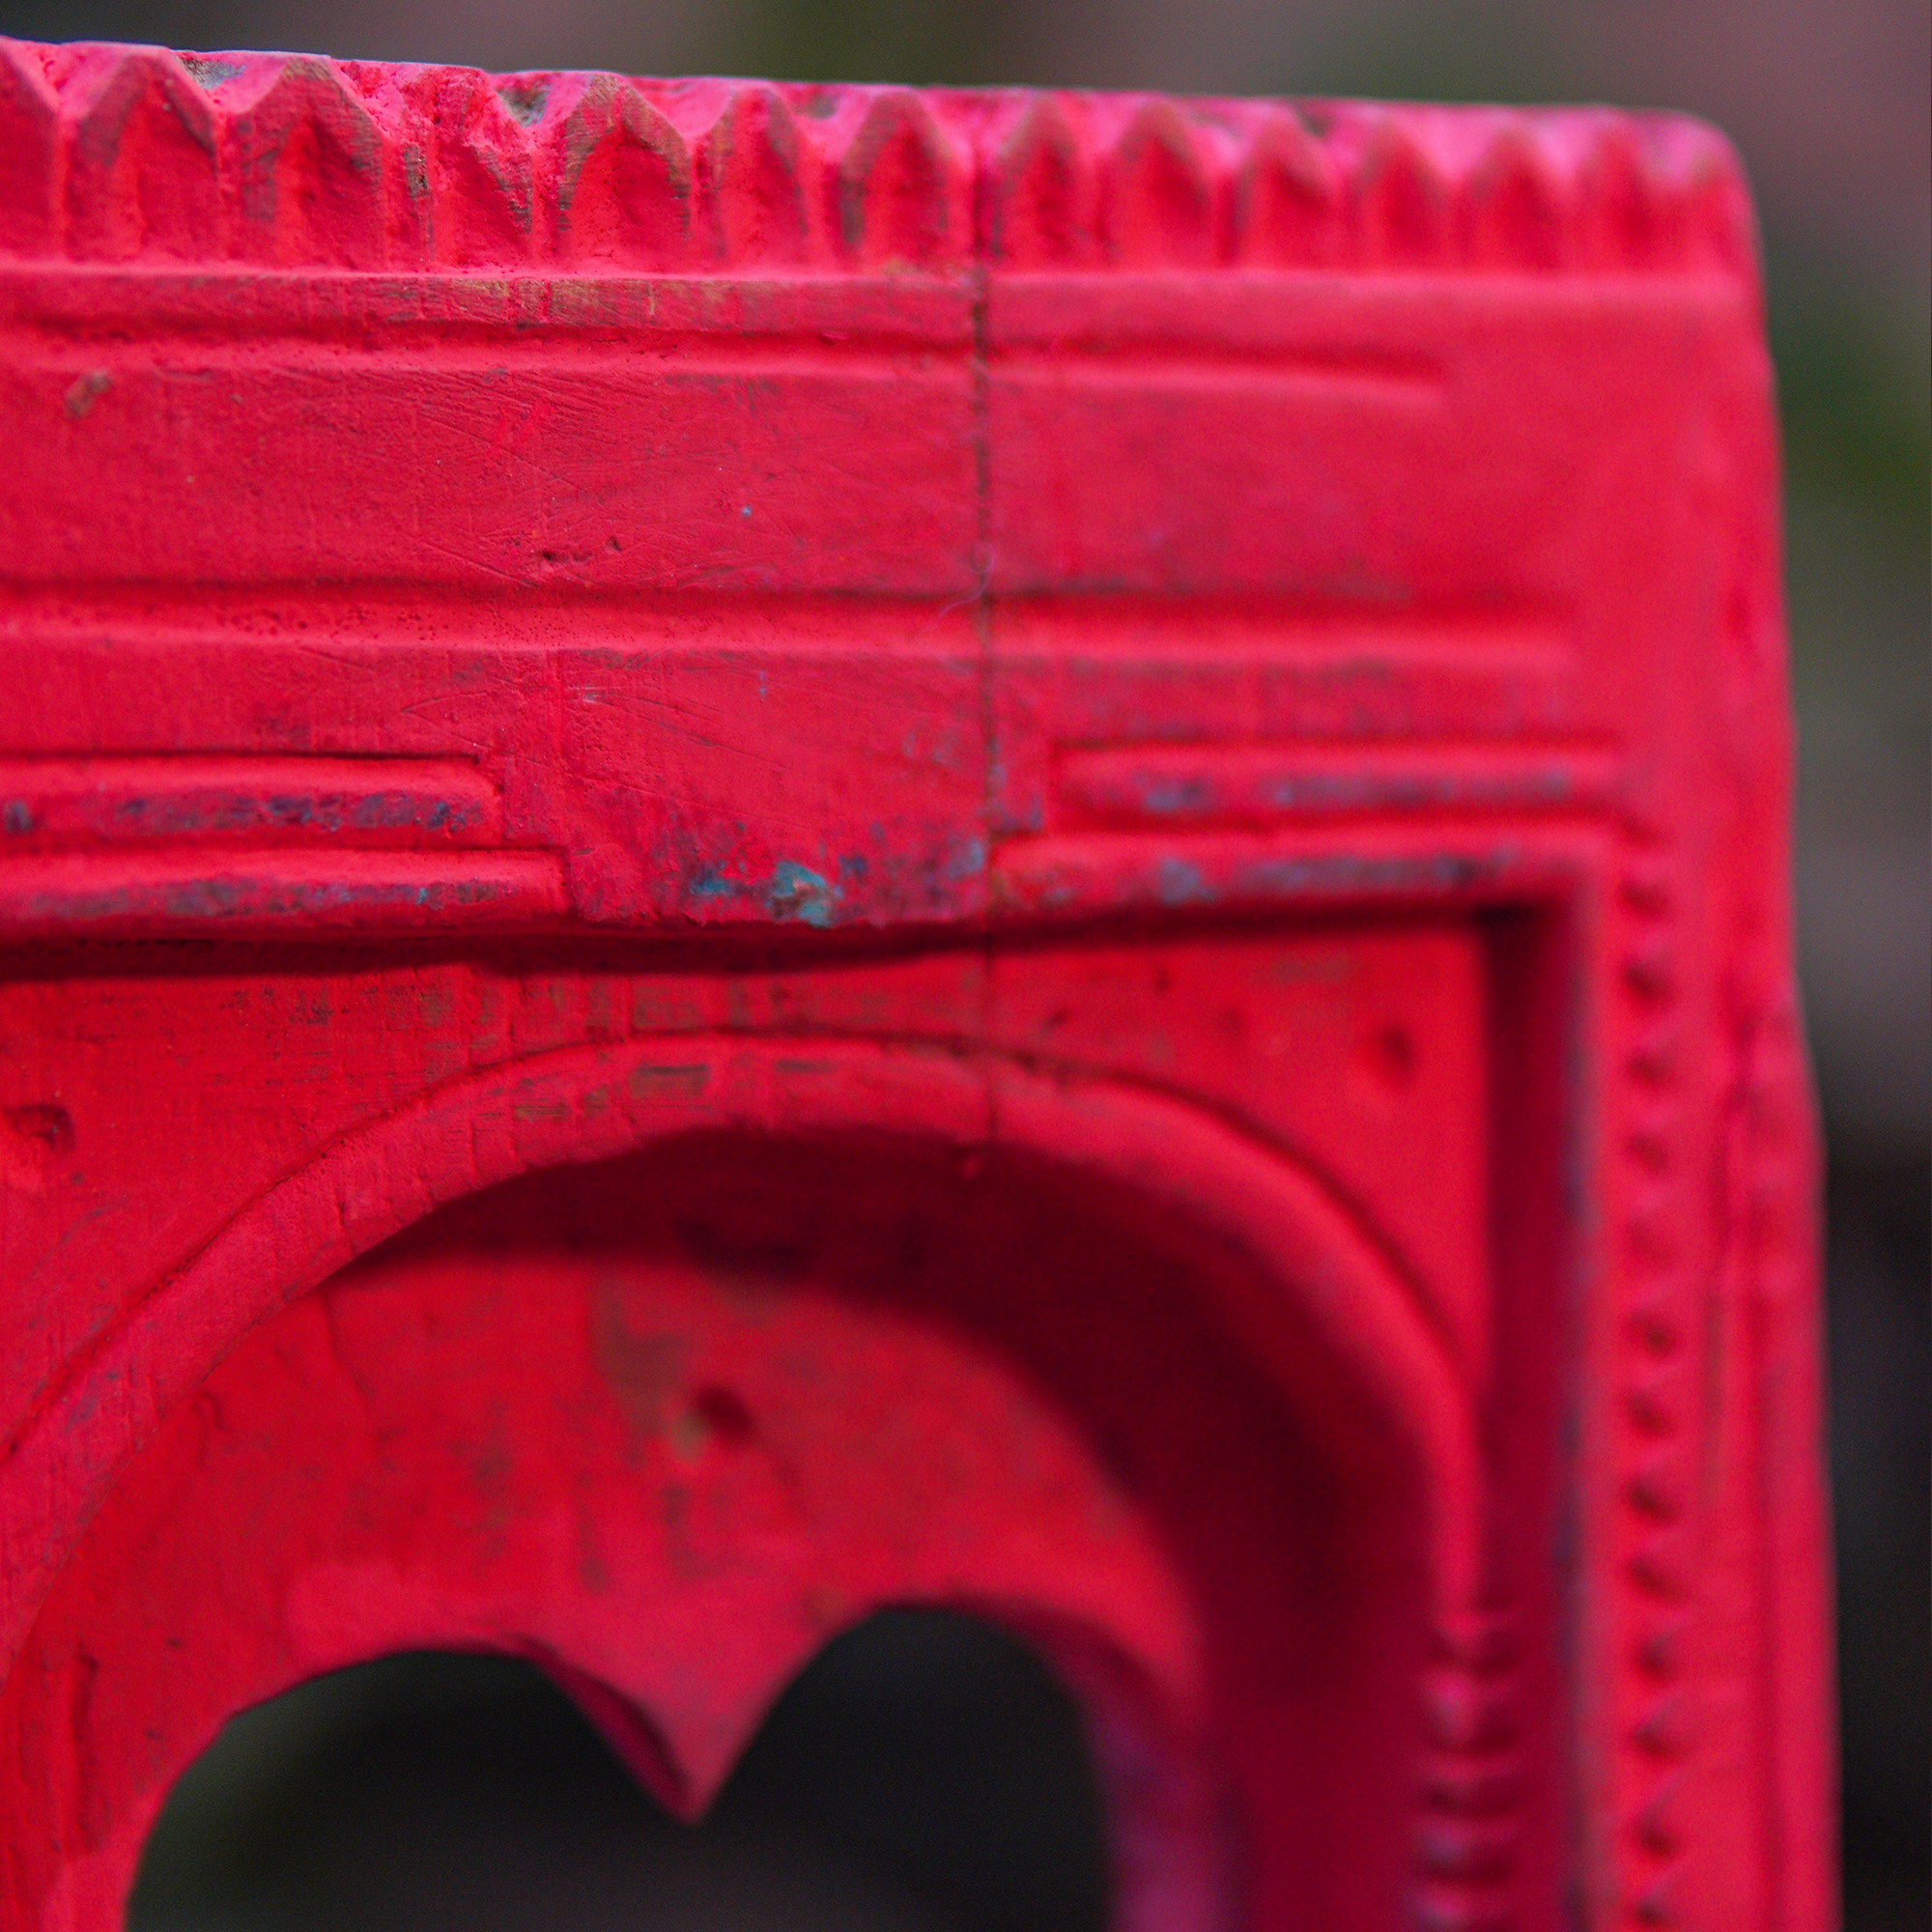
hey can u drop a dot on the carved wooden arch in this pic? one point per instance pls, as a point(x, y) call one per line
point(925, 567)
point(1118, 1626)
point(584, 1104)
point(298, 1516)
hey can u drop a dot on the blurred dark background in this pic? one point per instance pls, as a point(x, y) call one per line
point(1828, 100)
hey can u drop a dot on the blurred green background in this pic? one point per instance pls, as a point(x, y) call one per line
point(1827, 102)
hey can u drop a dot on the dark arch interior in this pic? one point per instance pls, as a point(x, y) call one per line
point(925, 1774)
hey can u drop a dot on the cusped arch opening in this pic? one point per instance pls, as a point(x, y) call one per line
point(925, 1770)
point(1185, 1498)
point(1289, 1504)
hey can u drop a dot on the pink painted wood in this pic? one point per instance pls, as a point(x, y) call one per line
point(772, 849)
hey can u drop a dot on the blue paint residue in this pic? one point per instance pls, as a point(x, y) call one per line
point(1177, 883)
point(966, 860)
point(1173, 798)
point(797, 892)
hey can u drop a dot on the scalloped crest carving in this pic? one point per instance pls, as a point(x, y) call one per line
point(134, 154)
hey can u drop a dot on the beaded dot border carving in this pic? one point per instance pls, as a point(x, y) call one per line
point(1656, 1376)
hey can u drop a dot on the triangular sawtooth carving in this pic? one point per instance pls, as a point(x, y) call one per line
point(900, 186)
point(141, 171)
point(1158, 199)
point(30, 154)
point(483, 178)
point(1404, 215)
point(1699, 179)
point(619, 178)
point(125, 153)
point(1039, 189)
point(1513, 212)
point(1624, 221)
point(1287, 197)
point(763, 180)
point(305, 161)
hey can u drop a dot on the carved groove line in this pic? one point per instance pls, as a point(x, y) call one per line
point(113, 153)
